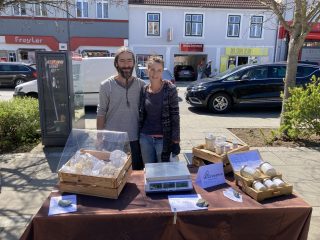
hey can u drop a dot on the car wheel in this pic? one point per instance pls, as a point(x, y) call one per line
point(220, 103)
point(19, 81)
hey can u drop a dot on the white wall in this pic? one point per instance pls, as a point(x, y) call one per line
point(214, 34)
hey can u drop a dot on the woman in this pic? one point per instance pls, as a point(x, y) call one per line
point(159, 116)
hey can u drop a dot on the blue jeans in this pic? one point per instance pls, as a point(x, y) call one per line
point(151, 148)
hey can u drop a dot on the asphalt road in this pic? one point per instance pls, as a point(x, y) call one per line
point(240, 116)
point(6, 93)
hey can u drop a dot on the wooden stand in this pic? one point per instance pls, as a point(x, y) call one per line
point(92, 185)
point(246, 185)
point(201, 155)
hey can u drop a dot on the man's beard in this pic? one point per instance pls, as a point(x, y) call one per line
point(125, 72)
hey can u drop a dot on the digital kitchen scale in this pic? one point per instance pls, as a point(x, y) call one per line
point(167, 176)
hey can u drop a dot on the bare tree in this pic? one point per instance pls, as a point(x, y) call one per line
point(305, 15)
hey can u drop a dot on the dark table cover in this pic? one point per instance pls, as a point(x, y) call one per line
point(137, 215)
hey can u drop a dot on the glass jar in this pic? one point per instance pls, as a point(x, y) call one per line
point(278, 182)
point(249, 172)
point(220, 148)
point(257, 185)
point(267, 169)
point(235, 143)
point(210, 142)
point(269, 184)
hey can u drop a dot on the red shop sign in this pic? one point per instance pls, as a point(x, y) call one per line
point(191, 47)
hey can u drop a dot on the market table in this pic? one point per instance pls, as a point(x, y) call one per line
point(136, 215)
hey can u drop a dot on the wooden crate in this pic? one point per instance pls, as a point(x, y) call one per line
point(93, 185)
point(246, 185)
point(201, 162)
point(204, 154)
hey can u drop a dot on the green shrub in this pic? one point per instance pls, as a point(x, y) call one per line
point(302, 117)
point(19, 123)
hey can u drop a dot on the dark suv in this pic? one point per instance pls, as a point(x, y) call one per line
point(184, 72)
point(13, 74)
point(261, 83)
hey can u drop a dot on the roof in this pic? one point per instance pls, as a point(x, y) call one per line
point(240, 4)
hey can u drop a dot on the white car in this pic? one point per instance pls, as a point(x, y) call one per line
point(28, 89)
point(91, 73)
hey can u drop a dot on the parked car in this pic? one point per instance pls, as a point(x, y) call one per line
point(184, 73)
point(92, 71)
point(15, 73)
point(143, 74)
point(260, 83)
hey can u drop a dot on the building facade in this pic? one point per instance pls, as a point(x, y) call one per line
point(185, 33)
point(88, 27)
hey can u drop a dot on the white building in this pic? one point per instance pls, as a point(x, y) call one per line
point(184, 32)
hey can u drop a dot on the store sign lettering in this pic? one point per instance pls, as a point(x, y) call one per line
point(237, 51)
point(28, 40)
point(241, 51)
point(190, 47)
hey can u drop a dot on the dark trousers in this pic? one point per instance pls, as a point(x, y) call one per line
point(137, 163)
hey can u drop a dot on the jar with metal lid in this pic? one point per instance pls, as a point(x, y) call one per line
point(268, 183)
point(257, 185)
point(235, 143)
point(267, 169)
point(219, 148)
point(227, 147)
point(210, 142)
point(249, 172)
point(278, 182)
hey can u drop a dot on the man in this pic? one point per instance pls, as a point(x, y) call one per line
point(118, 108)
point(207, 71)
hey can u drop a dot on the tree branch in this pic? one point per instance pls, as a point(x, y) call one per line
point(277, 8)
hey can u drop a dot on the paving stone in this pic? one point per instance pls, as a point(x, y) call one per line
point(314, 230)
point(12, 232)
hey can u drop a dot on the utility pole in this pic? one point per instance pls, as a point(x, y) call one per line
point(68, 25)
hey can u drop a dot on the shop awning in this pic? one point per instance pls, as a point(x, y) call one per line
point(313, 36)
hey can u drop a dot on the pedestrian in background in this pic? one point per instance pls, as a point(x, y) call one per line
point(159, 116)
point(200, 68)
point(207, 70)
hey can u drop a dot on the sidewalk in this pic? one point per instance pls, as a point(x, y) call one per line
point(28, 178)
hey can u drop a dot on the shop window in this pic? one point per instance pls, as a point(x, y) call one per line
point(102, 9)
point(40, 9)
point(256, 27)
point(153, 24)
point(143, 58)
point(194, 25)
point(23, 55)
point(19, 9)
point(234, 25)
point(82, 9)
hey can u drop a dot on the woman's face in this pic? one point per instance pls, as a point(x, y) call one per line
point(155, 72)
